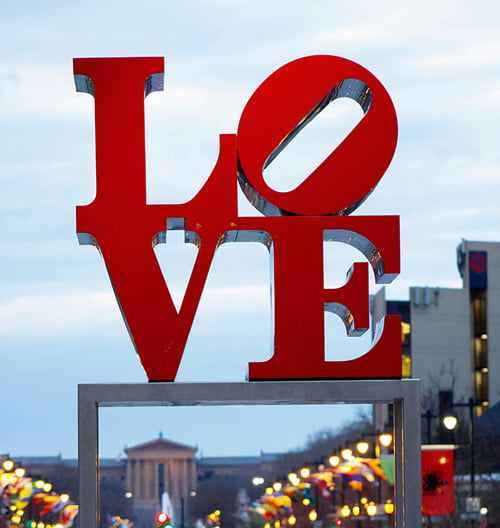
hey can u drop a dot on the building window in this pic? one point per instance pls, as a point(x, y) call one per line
point(406, 366)
point(478, 301)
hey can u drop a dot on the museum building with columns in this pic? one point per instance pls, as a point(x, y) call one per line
point(160, 467)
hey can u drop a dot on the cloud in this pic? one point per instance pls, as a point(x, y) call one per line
point(354, 36)
point(43, 89)
point(487, 97)
point(456, 59)
point(80, 312)
point(50, 314)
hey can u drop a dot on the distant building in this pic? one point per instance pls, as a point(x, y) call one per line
point(56, 468)
point(158, 467)
point(249, 466)
point(451, 337)
point(150, 470)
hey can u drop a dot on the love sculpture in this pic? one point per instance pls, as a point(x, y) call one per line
point(293, 227)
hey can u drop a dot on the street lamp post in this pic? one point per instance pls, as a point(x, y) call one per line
point(450, 423)
point(428, 417)
point(381, 440)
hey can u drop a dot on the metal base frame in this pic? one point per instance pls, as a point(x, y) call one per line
point(403, 394)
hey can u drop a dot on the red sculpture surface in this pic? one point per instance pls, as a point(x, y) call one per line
point(285, 103)
point(125, 228)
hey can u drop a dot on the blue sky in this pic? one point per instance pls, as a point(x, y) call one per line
point(59, 322)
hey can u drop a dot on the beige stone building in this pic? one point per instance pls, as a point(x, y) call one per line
point(158, 467)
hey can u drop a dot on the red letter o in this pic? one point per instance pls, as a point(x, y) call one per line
point(283, 104)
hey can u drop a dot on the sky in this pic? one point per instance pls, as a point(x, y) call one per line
point(59, 322)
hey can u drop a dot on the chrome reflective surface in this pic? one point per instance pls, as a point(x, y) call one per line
point(84, 83)
point(351, 88)
point(403, 394)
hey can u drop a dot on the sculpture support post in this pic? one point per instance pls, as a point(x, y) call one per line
point(403, 394)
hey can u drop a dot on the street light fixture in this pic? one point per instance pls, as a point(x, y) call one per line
point(362, 447)
point(347, 454)
point(385, 439)
point(452, 420)
point(334, 460)
point(305, 472)
point(8, 465)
